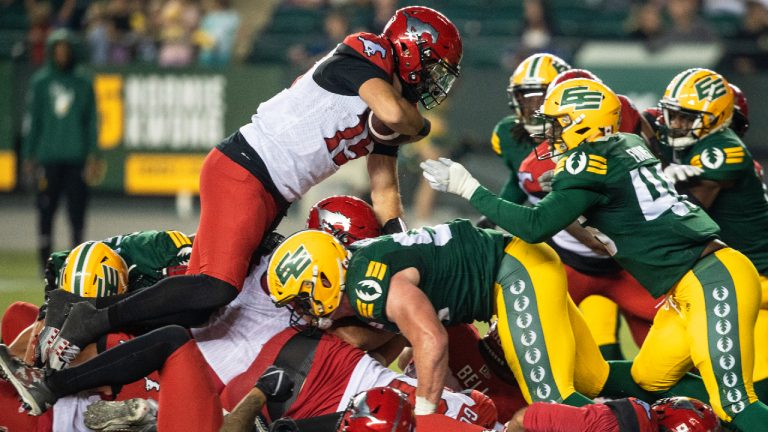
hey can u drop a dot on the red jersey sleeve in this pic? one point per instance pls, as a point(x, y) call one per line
point(372, 48)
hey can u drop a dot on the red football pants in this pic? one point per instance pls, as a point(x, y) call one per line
point(235, 213)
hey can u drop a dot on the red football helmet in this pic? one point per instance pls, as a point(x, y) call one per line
point(428, 50)
point(682, 413)
point(740, 121)
point(348, 218)
point(572, 74)
point(380, 409)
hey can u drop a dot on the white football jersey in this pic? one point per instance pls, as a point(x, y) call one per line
point(235, 334)
point(304, 133)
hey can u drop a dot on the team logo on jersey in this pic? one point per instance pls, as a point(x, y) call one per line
point(730, 379)
point(517, 287)
point(543, 391)
point(416, 27)
point(724, 344)
point(723, 327)
point(720, 293)
point(370, 48)
point(370, 291)
point(524, 320)
point(150, 384)
point(528, 338)
point(537, 374)
point(710, 87)
point(733, 395)
point(521, 303)
point(727, 362)
point(576, 162)
point(293, 264)
point(532, 356)
point(722, 310)
point(581, 98)
point(712, 158)
point(62, 99)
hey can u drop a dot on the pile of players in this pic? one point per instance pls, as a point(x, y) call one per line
point(606, 211)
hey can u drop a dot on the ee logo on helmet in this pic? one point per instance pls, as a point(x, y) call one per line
point(293, 264)
point(710, 88)
point(581, 98)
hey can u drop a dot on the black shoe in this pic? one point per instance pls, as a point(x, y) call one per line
point(84, 324)
point(57, 307)
point(29, 383)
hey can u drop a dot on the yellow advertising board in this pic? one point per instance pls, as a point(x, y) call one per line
point(162, 173)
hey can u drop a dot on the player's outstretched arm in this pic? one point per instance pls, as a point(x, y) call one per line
point(273, 385)
point(532, 224)
point(385, 189)
point(410, 309)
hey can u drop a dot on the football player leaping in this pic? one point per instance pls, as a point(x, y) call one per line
point(667, 243)
point(697, 108)
point(294, 141)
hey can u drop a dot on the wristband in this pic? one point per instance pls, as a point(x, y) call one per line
point(424, 407)
point(425, 129)
point(394, 225)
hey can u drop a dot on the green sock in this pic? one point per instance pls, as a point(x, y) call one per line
point(761, 389)
point(621, 385)
point(689, 385)
point(611, 351)
point(754, 418)
point(577, 399)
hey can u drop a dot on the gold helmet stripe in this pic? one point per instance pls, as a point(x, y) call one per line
point(679, 83)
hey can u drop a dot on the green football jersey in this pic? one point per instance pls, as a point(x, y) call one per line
point(149, 255)
point(513, 149)
point(741, 210)
point(618, 186)
point(456, 261)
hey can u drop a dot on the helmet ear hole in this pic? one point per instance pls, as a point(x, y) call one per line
point(325, 281)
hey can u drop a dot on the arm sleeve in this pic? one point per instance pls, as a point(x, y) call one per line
point(552, 417)
point(511, 190)
point(538, 223)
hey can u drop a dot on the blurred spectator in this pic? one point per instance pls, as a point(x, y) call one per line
point(177, 21)
point(383, 11)
point(687, 24)
point(646, 24)
point(216, 36)
point(752, 38)
point(538, 29)
point(303, 56)
point(60, 142)
point(39, 27)
point(116, 31)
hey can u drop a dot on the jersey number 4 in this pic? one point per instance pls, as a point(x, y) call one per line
point(655, 193)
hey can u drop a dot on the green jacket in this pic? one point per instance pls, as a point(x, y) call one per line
point(61, 122)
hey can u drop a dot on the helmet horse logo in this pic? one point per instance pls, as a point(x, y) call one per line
point(416, 27)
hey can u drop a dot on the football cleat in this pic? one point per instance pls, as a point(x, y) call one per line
point(77, 331)
point(57, 306)
point(132, 415)
point(28, 381)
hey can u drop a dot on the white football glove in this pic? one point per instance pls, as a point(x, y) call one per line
point(680, 173)
point(446, 175)
point(545, 180)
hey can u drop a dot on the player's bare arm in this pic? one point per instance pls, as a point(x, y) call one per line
point(385, 189)
point(359, 334)
point(391, 107)
point(413, 313)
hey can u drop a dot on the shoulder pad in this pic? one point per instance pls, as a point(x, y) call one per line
point(720, 152)
point(373, 48)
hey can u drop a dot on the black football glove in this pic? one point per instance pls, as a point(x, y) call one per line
point(276, 385)
point(394, 225)
point(284, 424)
